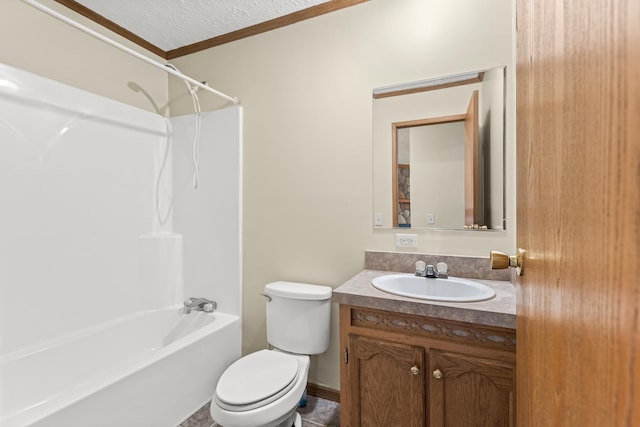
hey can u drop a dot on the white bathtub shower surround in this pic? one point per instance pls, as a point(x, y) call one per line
point(160, 270)
point(77, 187)
point(148, 369)
point(96, 275)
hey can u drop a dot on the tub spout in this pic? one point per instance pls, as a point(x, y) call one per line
point(199, 304)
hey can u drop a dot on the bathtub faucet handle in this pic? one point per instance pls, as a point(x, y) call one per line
point(199, 304)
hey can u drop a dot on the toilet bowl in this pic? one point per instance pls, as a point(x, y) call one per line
point(263, 389)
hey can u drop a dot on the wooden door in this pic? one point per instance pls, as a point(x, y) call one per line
point(386, 389)
point(470, 391)
point(578, 213)
point(471, 165)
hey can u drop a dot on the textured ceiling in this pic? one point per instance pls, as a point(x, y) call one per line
point(171, 24)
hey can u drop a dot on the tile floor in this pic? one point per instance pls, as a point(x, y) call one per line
point(318, 413)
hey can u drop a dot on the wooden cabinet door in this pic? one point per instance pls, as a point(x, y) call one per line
point(387, 383)
point(470, 391)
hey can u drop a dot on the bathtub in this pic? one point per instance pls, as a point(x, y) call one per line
point(151, 368)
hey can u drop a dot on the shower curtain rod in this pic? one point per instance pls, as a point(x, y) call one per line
point(132, 52)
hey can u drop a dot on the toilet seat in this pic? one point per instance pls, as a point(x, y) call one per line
point(256, 380)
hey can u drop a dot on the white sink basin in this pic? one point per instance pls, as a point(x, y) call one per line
point(453, 289)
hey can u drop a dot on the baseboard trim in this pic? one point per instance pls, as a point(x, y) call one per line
point(323, 392)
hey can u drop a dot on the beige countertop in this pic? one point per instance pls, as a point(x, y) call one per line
point(499, 311)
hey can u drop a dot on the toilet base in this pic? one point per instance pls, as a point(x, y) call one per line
point(294, 421)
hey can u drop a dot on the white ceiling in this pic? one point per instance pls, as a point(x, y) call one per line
point(171, 24)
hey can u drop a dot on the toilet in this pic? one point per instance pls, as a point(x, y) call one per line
point(263, 389)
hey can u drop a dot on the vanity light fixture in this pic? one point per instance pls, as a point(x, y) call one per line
point(428, 84)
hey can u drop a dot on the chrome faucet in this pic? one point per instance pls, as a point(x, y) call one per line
point(428, 270)
point(199, 304)
point(431, 272)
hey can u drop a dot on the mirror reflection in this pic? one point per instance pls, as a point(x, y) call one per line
point(439, 154)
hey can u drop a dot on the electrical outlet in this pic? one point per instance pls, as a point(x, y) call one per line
point(431, 219)
point(407, 240)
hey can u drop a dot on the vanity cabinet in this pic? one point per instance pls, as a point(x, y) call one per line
point(407, 370)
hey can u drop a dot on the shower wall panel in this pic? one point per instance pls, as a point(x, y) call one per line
point(78, 176)
point(210, 217)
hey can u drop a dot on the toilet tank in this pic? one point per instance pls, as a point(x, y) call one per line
point(298, 317)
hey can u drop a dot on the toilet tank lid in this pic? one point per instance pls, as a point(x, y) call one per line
point(294, 290)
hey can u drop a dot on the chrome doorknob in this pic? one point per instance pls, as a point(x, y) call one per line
point(501, 260)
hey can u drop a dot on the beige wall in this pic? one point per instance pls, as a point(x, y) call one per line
point(38, 43)
point(306, 93)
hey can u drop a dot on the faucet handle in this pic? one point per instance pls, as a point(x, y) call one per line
point(199, 304)
point(442, 267)
point(421, 266)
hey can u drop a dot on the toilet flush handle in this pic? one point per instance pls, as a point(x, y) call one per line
point(267, 297)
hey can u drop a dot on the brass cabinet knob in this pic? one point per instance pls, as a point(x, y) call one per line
point(501, 260)
point(415, 370)
point(437, 374)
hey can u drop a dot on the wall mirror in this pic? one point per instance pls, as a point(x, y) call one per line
point(438, 153)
